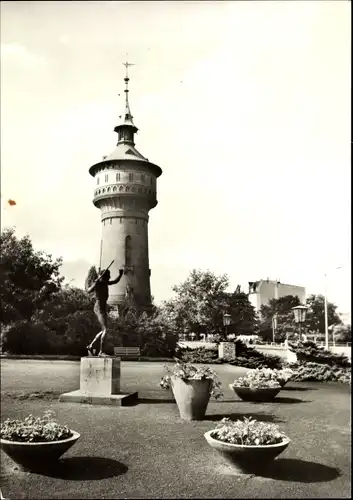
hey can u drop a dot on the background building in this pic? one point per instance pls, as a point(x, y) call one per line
point(125, 191)
point(261, 292)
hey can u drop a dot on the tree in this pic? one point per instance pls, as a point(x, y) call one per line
point(65, 325)
point(342, 333)
point(27, 278)
point(153, 332)
point(281, 309)
point(315, 319)
point(199, 303)
point(286, 327)
point(244, 320)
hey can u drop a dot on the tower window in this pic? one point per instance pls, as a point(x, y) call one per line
point(151, 181)
point(106, 178)
point(118, 177)
point(97, 181)
point(142, 178)
point(128, 250)
point(131, 177)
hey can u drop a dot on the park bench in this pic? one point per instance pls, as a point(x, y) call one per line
point(127, 352)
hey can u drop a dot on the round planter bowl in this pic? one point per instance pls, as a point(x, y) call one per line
point(38, 455)
point(258, 395)
point(246, 459)
point(192, 397)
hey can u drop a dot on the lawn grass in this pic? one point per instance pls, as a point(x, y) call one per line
point(147, 451)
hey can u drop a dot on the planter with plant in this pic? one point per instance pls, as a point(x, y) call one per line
point(192, 388)
point(247, 445)
point(283, 375)
point(259, 385)
point(36, 442)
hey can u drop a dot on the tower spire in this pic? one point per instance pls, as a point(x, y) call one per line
point(126, 129)
point(128, 115)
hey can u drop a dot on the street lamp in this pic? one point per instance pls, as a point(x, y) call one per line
point(326, 312)
point(226, 321)
point(299, 316)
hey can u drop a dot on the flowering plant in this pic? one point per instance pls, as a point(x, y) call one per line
point(34, 429)
point(284, 375)
point(247, 432)
point(261, 378)
point(187, 371)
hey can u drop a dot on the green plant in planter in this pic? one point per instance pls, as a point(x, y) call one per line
point(187, 371)
point(34, 429)
point(247, 432)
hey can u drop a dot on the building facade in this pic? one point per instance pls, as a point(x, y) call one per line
point(125, 191)
point(261, 292)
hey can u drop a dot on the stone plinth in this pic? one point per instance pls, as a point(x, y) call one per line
point(99, 383)
point(100, 376)
point(226, 350)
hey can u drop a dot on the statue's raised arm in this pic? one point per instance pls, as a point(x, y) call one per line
point(118, 278)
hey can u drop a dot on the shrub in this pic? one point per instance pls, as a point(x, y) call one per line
point(24, 337)
point(264, 361)
point(318, 372)
point(247, 432)
point(311, 352)
point(154, 334)
point(197, 355)
point(245, 356)
point(187, 371)
point(34, 429)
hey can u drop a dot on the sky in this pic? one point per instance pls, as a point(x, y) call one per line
point(244, 105)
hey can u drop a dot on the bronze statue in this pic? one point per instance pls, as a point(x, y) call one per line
point(99, 284)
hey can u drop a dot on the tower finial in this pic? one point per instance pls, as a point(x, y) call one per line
point(128, 116)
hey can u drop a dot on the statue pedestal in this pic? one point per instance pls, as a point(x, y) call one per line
point(99, 383)
point(226, 350)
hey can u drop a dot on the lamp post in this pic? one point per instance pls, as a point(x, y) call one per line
point(274, 327)
point(299, 316)
point(326, 311)
point(226, 321)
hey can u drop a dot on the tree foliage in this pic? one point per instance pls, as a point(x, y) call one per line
point(244, 320)
point(154, 333)
point(286, 326)
point(28, 278)
point(315, 320)
point(199, 302)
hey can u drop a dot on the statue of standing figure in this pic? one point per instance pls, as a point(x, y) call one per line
point(99, 283)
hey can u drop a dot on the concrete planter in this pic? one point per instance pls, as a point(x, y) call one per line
point(246, 459)
point(257, 395)
point(192, 397)
point(38, 455)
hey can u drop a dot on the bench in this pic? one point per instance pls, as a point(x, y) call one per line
point(131, 352)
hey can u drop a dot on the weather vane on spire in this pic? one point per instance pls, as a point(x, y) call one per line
point(127, 64)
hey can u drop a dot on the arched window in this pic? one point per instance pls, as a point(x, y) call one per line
point(128, 251)
point(118, 177)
